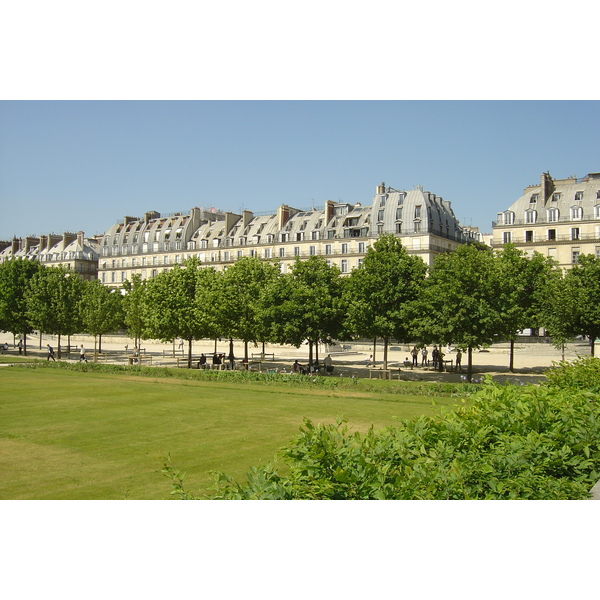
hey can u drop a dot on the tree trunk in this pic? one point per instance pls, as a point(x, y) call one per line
point(95, 352)
point(317, 352)
point(592, 340)
point(190, 341)
point(470, 365)
point(374, 349)
point(310, 352)
point(100, 343)
point(511, 360)
point(246, 353)
point(59, 346)
point(385, 352)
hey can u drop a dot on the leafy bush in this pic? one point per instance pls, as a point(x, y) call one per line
point(265, 378)
point(580, 374)
point(508, 443)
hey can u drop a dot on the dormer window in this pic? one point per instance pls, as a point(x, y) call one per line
point(556, 197)
point(534, 198)
point(578, 196)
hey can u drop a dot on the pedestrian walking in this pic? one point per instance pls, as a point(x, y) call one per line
point(20, 346)
point(424, 356)
point(82, 355)
point(50, 352)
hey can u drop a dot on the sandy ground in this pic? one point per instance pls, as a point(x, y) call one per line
point(531, 359)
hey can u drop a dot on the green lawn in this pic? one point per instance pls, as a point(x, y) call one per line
point(74, 435)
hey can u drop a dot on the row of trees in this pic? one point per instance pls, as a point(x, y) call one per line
point(469, 298)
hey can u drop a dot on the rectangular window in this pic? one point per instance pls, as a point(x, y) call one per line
point(506, 237)
point(361, 247)
point(266, 252)
point(281, 252)
point(597, 251)
point(240, 253)
point(344, 248)
point(529, 236)
point(312, 250)
point(299, 236)
point(417, 226)
point(556, 197)
point(344, 266)
point(399, 214)
point(315, 235)
point(551, 234)
point(296, 250)
point(574, 233)
point(574, 255)
point(327, 248)
point(380, 228)
point(534, 198)
point(226, 255)
point(578, 195)
point(380, 215)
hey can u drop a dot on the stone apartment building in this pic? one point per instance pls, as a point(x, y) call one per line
point(559, 218)
point(72, 250)
point(340, 232)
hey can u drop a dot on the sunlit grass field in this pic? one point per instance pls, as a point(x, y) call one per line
point(93, 435)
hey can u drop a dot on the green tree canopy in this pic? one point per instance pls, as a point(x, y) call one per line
point(241, 303)
point(522, 284)
point(458, 302)
point(573, 302)
point(15, 276)
point(380, 289)
point(53, 302)
point(305, 304)
point(181, 303)
point(101, 309)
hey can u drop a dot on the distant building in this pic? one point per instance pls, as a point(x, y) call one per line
point(559, 218)
point(72, 250)
point(340, 232)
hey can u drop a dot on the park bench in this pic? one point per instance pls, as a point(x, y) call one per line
point(262, 355)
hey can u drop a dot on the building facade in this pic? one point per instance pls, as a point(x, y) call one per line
point(72, 250)
point(559, 218)
point(424, 222)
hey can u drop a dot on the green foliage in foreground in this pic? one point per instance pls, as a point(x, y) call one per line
point(509, 443)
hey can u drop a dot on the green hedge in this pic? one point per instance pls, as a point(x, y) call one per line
point(508, 442)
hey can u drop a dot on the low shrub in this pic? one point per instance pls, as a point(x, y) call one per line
point(507, 443)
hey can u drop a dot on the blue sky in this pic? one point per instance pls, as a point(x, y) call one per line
point(83, 165)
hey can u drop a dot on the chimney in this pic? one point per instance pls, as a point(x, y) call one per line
point(546, 186)
point(67, 238)
point(283, 215)
point(15, 243)
point(151, 214)
point(127, 220)
point(30, 242)
point(43, 242)
point(247, 216)
point(230, 220)
point(80, 239)
point(53, 239)
point(329, 210)
point(380, 189)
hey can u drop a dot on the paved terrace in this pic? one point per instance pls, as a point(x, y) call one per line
point(531, 359)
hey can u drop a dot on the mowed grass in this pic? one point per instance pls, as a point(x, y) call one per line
point(74, 435)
